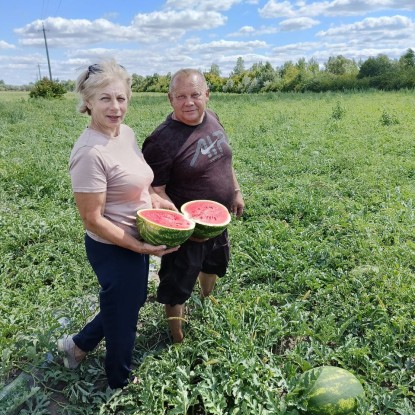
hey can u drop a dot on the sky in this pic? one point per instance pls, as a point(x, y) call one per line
point(155, 36)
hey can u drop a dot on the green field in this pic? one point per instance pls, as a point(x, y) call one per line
point(322, 268)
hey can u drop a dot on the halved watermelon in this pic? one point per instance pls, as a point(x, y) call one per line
point(332, 391)
point(163, 227)
point(211, 217)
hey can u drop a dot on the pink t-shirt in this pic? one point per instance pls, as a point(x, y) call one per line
point(115, 165)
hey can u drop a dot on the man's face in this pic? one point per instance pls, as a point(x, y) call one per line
point(189, 98)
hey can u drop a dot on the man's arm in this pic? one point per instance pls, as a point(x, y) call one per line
point(238, 204)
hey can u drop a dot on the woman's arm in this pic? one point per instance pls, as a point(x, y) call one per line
point(91, 208)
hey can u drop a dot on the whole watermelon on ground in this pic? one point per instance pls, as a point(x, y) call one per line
point(334, 391)
point(163, 227)
point(211, 218)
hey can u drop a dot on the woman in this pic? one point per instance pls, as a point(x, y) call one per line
point(111, 181)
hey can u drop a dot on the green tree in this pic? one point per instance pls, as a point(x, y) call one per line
point(262, 75)
point(213, 78)
point(69, 85)
point(301, 65)
point(289, 73)
point(239, 67)
point(313, 66)
point(340, 65)
point(214, 69)
point(137, 82)
point(229, 85)
point(407, 60)
point(375, 66)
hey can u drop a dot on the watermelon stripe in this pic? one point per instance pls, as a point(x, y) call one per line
point(335, 391)
point(170, 233)
point(207, 231)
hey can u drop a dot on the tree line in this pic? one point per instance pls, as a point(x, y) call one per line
point(337, 74)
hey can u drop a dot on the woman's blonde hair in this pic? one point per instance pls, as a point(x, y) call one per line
point(97, 76)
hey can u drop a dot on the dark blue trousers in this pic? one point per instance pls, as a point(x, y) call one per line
point(123, 276)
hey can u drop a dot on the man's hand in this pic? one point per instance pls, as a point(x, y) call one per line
point(158, 202)
point(237, 207)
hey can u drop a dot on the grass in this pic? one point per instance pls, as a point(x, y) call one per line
point(322, 265)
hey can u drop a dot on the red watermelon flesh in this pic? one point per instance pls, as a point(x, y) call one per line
point(211, 217)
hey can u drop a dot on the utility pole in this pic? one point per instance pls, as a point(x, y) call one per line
point(47, 52)
point(38, 67)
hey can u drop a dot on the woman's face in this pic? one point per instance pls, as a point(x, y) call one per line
point(108, 107)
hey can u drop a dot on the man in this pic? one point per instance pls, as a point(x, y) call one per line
point(191, 159)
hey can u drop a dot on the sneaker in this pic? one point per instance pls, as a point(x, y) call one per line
point(74, 355)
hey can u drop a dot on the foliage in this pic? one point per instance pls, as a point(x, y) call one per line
point(407, 60)
point(153, 83)
point(340, 65)
point(321, 269)
point(46, 88)
point(376, 66)
point(340, 74)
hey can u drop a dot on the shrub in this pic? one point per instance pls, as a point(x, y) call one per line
point(46, 88)
point(338, 111)
point(388, 118)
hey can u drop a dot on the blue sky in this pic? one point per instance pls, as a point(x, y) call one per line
point(157, 36)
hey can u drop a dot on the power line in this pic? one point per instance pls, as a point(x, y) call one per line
point(59, 5)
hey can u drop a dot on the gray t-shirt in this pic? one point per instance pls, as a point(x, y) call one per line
point(115, 165)
point(193, 162)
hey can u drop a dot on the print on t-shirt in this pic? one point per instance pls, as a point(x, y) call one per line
point(212, 149)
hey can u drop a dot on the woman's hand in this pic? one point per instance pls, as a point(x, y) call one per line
point(158, 250)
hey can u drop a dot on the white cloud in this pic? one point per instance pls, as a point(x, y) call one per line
point(224, 46)
point(267, 30)
point(251, 31)
point(297, 48)
point(288, 25)
point(373, 27)
point(68, 32)
point(145, 28)
point(222, 5)
point(169, 22)
point(359, 7)
point(5, 45)
point(243, 31)
point(275, 8)
point(298, 23)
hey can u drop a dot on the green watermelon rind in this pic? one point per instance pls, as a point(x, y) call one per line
point(203, 230)
point(156, 234)
point(335, 391)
